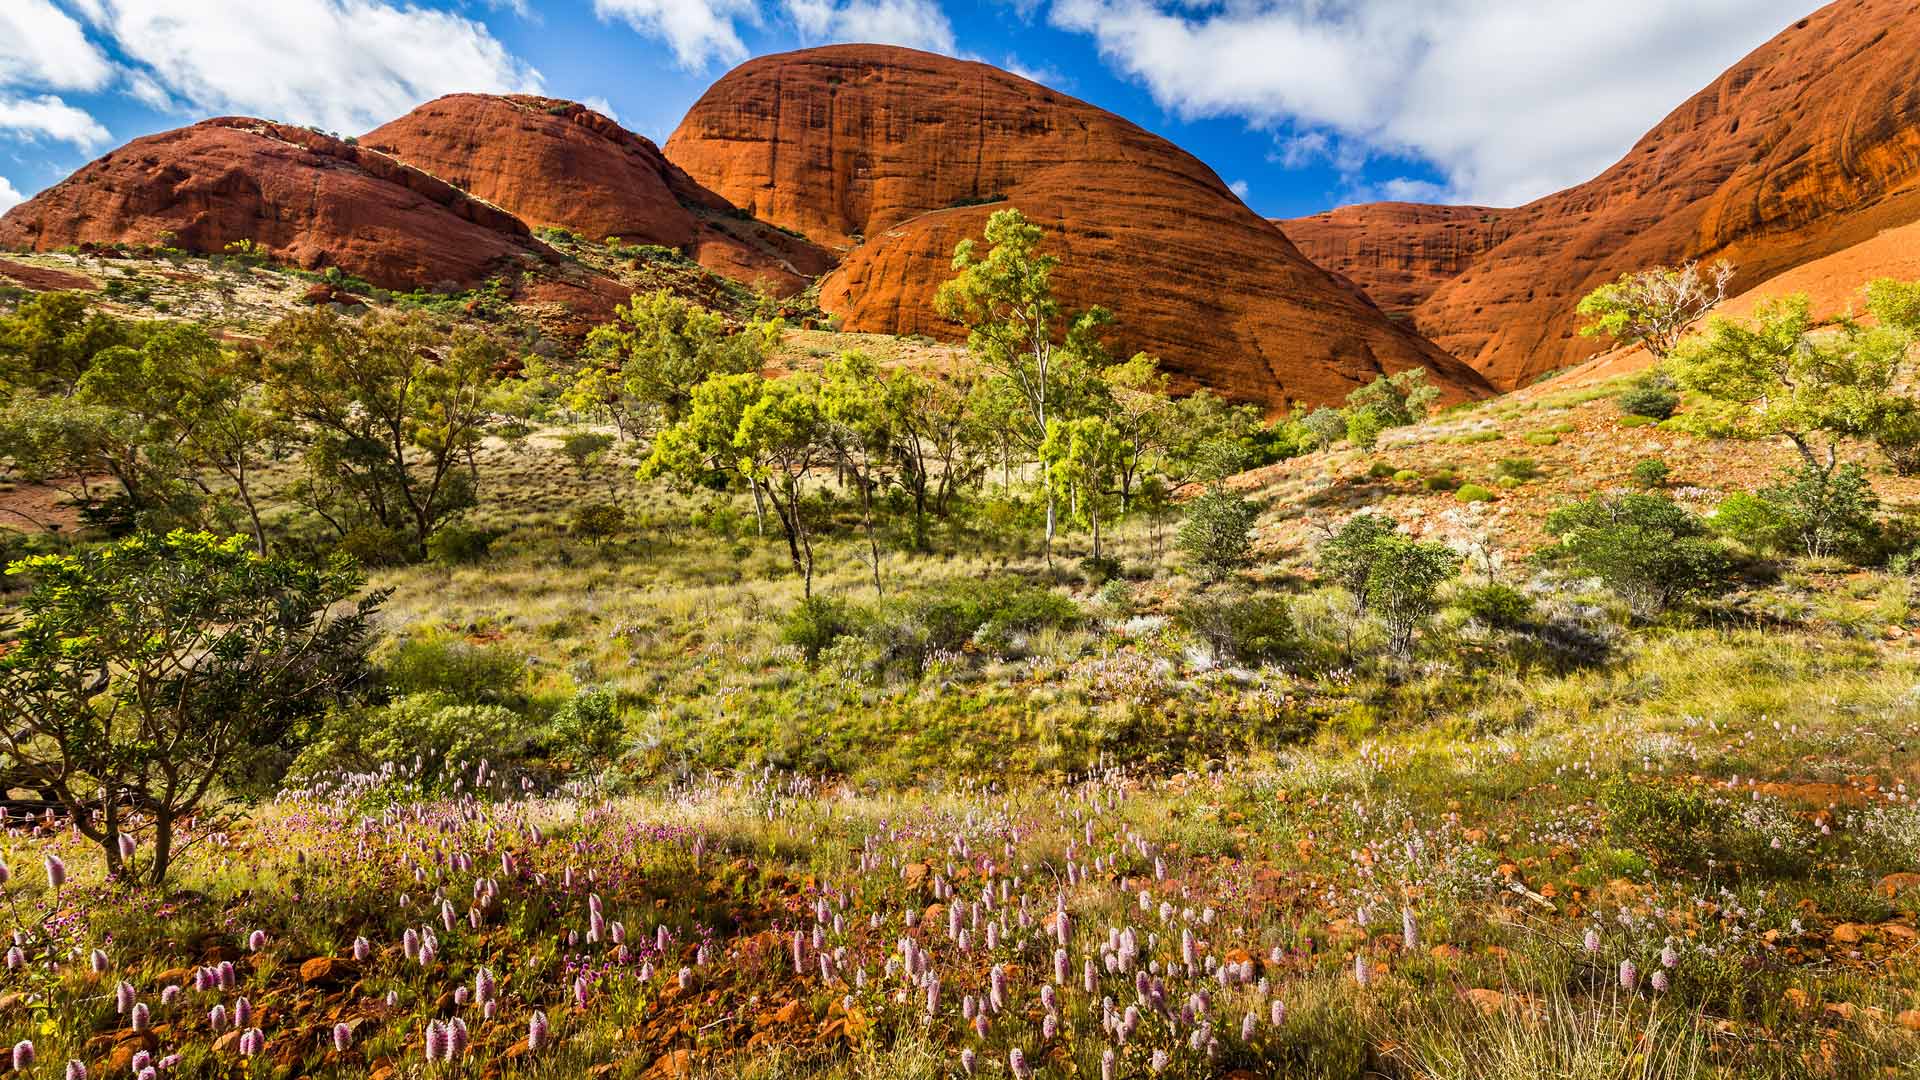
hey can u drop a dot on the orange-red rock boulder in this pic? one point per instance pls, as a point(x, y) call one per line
point(558, 164)
point(300, 196)
point(896, 155)
point(1398, 252)
point(1808, 146)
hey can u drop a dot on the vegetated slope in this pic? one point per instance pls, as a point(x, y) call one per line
point(1399, 252)
point(299, 196)
point(1809, 145)
point(556, 163)
point(898, 155)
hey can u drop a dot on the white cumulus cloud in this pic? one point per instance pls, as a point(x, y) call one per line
point(1509, 99)
point(42, 46)
point(49, 117)
point(702, 33)
point(344, 65)
point(10, 196)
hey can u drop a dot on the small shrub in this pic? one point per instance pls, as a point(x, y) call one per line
point(588, 724)
point(433, 727)
point(1652, 396)
point(1651, 472)
point(1217, 535)
point(1543, 438)
point(462, 671)
point(1380, 470)
point(1751, 520)
point(597, 522)
point(1406, 476)
point(817, 622)
point(1364, 427)
point(1520, 469)
point(1248, 628)
point(1473, 493)
point(1442, 480)
point(456, 544)
point(1647, 548)
point(1829, 511)
point(1502, 607)
point(1631, 421)
point(1669, 824)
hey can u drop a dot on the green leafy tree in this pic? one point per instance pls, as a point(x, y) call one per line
point(1648, 548)
point(152, 673)
point(1016, 329)
point(389, 409)
point(1326, 426)
point(1217, 535)
point(1389, 401)
point(659, 347)
point(1654, 307)
point(1828, 512)
point(53, 338)
point(1346, 557)
point(859, 425)
point(1083, 459)
point(941, 443)
point(585, 449)
point(1403, 586)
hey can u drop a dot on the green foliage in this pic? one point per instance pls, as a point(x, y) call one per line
point(1217, 535)
point(462, 672)
point(158, 667)
point(459, 544)
point(1364, 427)
point(1827, 511)
point(1651, 472)
point(1752, 520)
point(817, 622)
point(443, 734)
point(597, 522)
point(588, 724)
point(1394, 578)
point(1502, 607)
point(1241, 627)
point(1395, 400)
point(1647, 548)
point(1652, 396)
point(660, 347)
point(1473, 493)
point(1381, 470)
point(1670, 823)
point(1325, 426)
point(387, 411)
point(1521, 469)
point(585, 449)
point(1654, 307)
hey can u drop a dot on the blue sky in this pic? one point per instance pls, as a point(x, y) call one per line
point(1301, 105)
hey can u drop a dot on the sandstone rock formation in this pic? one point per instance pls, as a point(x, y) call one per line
point(559, 164)
point(1398, 252)
point(302, 197)
point(895, 155)
point(1808, 146)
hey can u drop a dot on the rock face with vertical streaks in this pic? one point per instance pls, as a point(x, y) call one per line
point(893, 156)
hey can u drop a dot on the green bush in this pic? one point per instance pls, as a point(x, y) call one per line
point(1364, 427)
point(1502, 607)
point(1751, 520)
point(456, 544)
point(1442, 480)
point(597, 522)
point(1651, 472)
point(1652, 396)
point(1669, 824)
point(1648, 548)
point(1827, 511)
point(1543, 438)
point(433, 727)
point(1247, 628)
point(1473, 493)
point(370, 545)
point(817, 622)
point(1521, 469)
point(1406, 476)
point(588, 724)
point(1380, 470)
point(465, 673)
point(1629, 421)
point(1217, 535)
point(1395, 579)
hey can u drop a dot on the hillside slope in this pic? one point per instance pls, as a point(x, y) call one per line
point(558, 164)
point(1808, 146)
point(896, 155)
